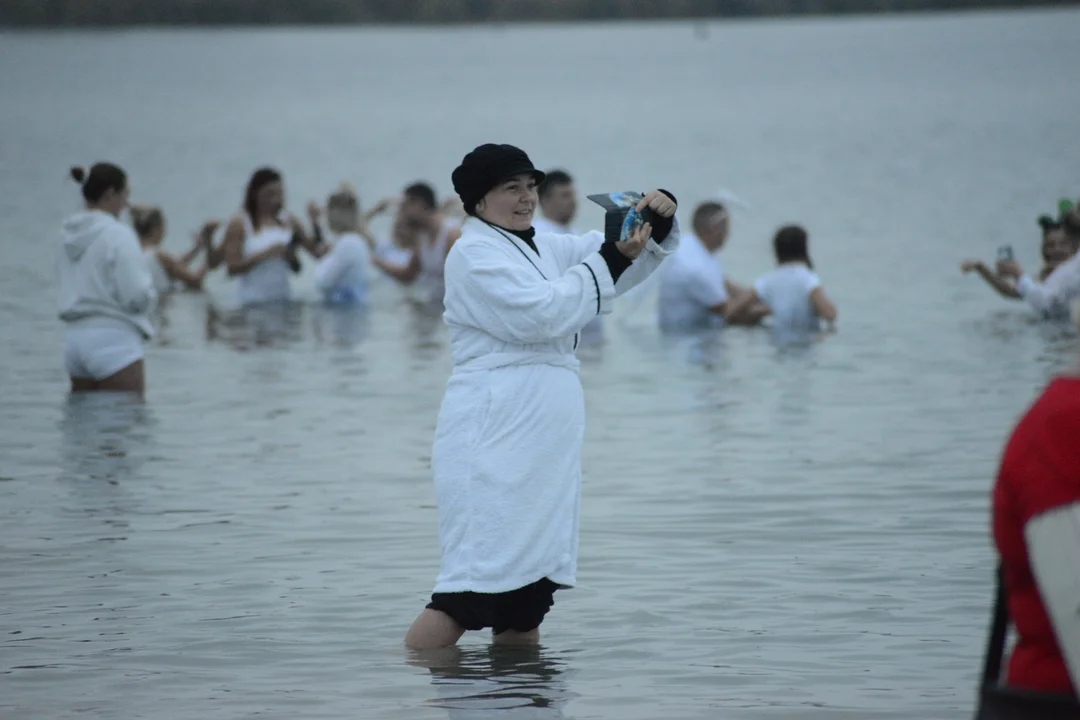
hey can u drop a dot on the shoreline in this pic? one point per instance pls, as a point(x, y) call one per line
point(167, 23)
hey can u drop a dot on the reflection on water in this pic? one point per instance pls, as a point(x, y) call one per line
point(105, 436)
point(343, 326)
point(425, 327)
point(272, 324)
point(497, 681)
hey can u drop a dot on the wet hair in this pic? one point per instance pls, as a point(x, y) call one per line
point(790, 245)
point(553, 179)
point(101, 178)
point(343, 209)
point(423, 193)
point(705, 212)
point(146, 219)
point(259, 179)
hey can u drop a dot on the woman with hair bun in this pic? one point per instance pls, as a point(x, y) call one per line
point(106, 291)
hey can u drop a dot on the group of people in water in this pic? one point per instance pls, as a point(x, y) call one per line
point(518, 293)
point(260, 247)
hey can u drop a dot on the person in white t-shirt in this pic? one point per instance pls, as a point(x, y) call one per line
point(558, 206)
point(695, 294)
point(792, 292)
point(342, 274)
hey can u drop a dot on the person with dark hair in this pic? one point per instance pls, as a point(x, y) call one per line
point(1053, 296)
point(427, 235)
point(558, 205)
point(792, 292)
point(1055, 250)
point(507, 450)
point(165, 268)
point(260, 242)
point(695, 293)
point(106, 291)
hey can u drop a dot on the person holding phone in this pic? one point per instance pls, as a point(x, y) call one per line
point(507, 450)
point(1053, 296)
point(1055, 250)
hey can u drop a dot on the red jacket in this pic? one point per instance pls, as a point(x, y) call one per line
point(1040, 470)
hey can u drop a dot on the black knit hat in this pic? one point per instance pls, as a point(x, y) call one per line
point(487, 166)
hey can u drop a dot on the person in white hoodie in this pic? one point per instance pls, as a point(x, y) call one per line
point(106, 290)
point(507, 450)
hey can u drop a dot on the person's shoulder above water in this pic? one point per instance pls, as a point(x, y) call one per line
point(804, 276)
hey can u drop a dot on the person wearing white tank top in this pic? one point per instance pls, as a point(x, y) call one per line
point(167, 269)
point(433, 234)
point(260, 242)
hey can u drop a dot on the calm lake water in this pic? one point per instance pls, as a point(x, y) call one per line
point(765, 534)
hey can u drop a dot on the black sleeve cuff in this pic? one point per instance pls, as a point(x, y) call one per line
point(615, 260)
point(662, 225)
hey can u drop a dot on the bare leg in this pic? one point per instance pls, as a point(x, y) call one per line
point(83, 385)
point(433, 629)
point(129, 379)
point(513, 637)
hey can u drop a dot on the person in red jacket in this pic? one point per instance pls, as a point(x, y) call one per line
point(1036, 527)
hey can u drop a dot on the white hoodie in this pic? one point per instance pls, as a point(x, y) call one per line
point(102, 272)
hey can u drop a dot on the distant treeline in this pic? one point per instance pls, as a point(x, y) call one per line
point(89, 13)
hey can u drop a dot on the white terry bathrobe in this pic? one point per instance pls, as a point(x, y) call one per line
point(507, 452)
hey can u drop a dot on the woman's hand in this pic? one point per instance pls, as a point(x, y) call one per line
point(969, 265)
point(206, 232)
point(658, 202)
point(632, 246)
point(1009, 269)
point(314, 212)
point(383, 205)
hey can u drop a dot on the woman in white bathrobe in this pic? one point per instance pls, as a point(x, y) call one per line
point(507, 451)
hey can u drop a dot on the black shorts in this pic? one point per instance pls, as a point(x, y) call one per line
point(521, 610)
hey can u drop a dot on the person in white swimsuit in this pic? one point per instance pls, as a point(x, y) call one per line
point(106, 292)
point(165, 268)
point(432, 236)
point(260, 242)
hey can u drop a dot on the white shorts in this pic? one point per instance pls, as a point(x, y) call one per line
point(97, 348)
